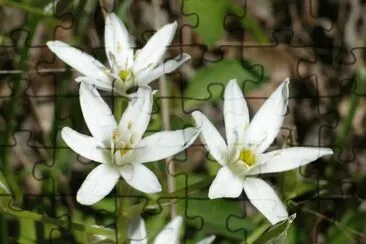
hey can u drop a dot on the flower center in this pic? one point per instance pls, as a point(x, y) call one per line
point(119, 145)
point(123, 74)
point(247, 157)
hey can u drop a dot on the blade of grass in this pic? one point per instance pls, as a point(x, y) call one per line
point(26, 8)
point(23, 214)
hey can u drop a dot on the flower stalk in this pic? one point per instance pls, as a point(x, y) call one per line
point(166, 123)
point(24, 214)
point(123, 206)
point(122, 189)
point(166, 126)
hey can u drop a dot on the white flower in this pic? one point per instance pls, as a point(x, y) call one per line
point(243, 156)
point(120, 149)
point(169, 235)
point(127, 68)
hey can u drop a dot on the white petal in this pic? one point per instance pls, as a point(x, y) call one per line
point(236, 114)
point(155, 48)
point(140, 177)
point(226, 184)
point(211, 137)
point(207, 240)
point(265, 199)
point(93, 82)
point(137, 231)
point(267, 122)
point(98, 184)
point(80, 61)
point(164, 144)
point(170, 233)
point(136, 117)
point(97, 115)
point(117, 43)
point(288, 159)
point(86, 146)
point(145, 77)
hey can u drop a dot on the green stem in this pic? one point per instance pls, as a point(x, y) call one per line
point(119, 105)
point(23, 214)
point(346, 123)
point(3, 229)
point(123, 207)
point(16, 96)
point(25, 7)
point(123, 204)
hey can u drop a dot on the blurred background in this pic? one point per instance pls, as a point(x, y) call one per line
point(320, 45)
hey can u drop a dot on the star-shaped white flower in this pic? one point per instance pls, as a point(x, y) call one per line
point(127, 68)
point(243, 157)
point(120, 148)
point(169, 235)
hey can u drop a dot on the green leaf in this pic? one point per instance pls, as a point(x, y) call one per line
point(353, 222)
point(27, 231)
point(207, 17)
point(4, 189)
point(276, 234)
point(218, 216)
point(5, 194)
point(209, 82)
point(294, 185)
point(250, 24)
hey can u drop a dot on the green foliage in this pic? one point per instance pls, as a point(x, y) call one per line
point(207, 21)
point(276, 234)
point(4, 189)
point(208, 18)
point(215, 214)
point(349, 228)
point(209, 82)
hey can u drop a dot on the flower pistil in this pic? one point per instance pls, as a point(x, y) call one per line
point(248, 157)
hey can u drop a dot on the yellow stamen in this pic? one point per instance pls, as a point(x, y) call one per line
point(247, 157)
point(117, 145)
point(123, 74)
point(116, 135)
point(123, 151)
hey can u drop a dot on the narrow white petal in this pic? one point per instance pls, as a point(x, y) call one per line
point(137, 115)
point(94, 82)
point(236, 114)
point(170, 233)
point(140, 177)
point(207, 240)
point(98, 184)
point(80, 61)
point(97, 115)
point(155, 48)
point(226, 184)
point(145, 77)
point(267, 122)
point(265, 199)
point(137, 231)
point(164, 144)
point(211, 137)
point(288, 159)
point(86, 146)
point(117, 43)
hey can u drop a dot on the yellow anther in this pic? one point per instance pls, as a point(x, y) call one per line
point(247, 157)
point(123, 151)
point(116, 135)
point(123, 74)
